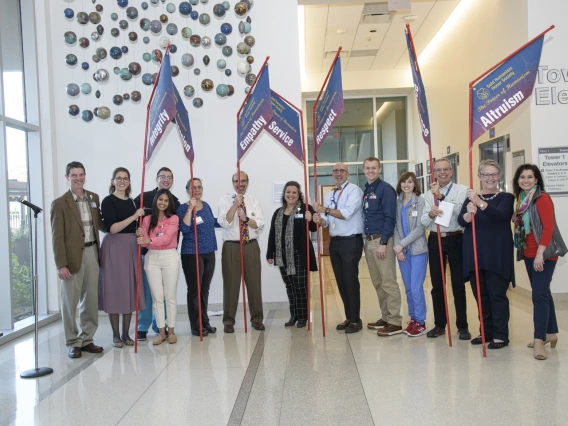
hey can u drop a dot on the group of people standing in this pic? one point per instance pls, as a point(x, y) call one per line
point(385, 223)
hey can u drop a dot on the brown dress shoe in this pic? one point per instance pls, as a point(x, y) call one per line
point(92, 348)
point(390, 330)
point(377, 325)
point(75, 352)
point(258, 325)
point(343, 325)
point(229, 329)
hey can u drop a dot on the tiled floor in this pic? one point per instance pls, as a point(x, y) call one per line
point(289, 376)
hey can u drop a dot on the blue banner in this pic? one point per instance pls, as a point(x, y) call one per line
point(504, 89)
point(255, 115)
point(286, 126)
point(419, 92)
point(184, 129)
point(162, 108)
point(330, 106)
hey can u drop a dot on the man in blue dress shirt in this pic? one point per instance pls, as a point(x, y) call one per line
point(379, 205)
point(343, 214)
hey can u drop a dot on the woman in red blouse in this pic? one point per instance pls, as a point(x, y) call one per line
point(539, 243)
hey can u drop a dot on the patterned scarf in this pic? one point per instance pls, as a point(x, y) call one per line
point(521, 218)
point(288, 239)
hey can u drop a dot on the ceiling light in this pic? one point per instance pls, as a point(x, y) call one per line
point(409, 18)
point(341, 31)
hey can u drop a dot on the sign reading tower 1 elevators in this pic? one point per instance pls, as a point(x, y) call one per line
point(553, 164)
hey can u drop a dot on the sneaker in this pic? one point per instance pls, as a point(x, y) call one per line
point(377, 325)
point(410, 326)
point(390, 330)
point(464, 334)
point(354, 327)
point(141, 336)
point(436, 332)
point(417, 330)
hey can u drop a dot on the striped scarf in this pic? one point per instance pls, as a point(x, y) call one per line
point(521, 218)
point(288, 239)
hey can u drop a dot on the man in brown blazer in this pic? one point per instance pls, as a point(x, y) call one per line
point(75, 223)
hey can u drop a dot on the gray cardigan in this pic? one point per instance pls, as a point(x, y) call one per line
point(416, 239)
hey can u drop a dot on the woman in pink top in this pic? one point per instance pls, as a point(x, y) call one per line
point(159, 234)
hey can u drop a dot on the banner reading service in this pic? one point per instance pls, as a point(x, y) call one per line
point(286, 127)
point(330, 106)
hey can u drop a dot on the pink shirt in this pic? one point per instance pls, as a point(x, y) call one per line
point(164, 235)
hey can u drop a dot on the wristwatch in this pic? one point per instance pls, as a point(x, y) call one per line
point(327, 210)
point(442, 197)
point(384, 243)
point(246, 220)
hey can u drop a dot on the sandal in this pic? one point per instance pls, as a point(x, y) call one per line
point(550, 338)
point(497, 345)
point(128, 342)
point(539, 352)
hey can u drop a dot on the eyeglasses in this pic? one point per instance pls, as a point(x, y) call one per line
point(339, 171)
point(489, 175)
point(164, 177)
point(442, 170)
point(198, 188)
point(121, 179)
point(242, 181)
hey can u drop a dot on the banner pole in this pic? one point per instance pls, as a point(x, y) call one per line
point(241, 247)
point(473, 229)
point(196, 256)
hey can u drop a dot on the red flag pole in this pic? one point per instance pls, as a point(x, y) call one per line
point(440, 253)
point(306, 188)
point(196, 255)
point(316, 185)
point(138, 271)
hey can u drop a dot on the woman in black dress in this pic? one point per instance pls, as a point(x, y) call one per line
point(493, 211)
point(119, 257)
point(287, 249)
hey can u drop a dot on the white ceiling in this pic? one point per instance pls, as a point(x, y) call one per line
point(328, 26)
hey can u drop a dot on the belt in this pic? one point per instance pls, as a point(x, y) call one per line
point(447, 234)
point(347, 237)
point(237, 242)
point(372, 237)
point(92, 243)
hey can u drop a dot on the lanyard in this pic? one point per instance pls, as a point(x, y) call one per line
point(366, 196)
point(449, 189)
point(333, 200)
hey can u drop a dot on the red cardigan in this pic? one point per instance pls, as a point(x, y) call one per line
point(545, 210)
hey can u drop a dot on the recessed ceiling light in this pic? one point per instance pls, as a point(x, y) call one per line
point(341, 31)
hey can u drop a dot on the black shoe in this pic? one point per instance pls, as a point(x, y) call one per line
point(476, 341)
point(464, 334)
point(141, 336)
point(497, 345)
point(436, 332)
point(196, 332)
point(291, 322)
point(209, 328)
point(343, 325)
point(354, 327)
point(302, 323)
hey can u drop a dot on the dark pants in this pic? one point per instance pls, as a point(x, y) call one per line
point(494, 303)
point(544, 316)
point(297, 289)
point(206, 270)
point(345, 255)
point(231, 266)
point(452, 253)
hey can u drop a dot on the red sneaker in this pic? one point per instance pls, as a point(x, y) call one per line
point(417, 330)
point(410, 326)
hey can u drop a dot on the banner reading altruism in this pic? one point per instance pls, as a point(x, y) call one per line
point(255, 115)
point(330, 106)
point(286, 126)
point(505, 88)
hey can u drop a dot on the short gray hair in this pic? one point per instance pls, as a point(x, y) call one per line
point(446, 160)
point(486, 163)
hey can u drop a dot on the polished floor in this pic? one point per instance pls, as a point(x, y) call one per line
point(289, 376)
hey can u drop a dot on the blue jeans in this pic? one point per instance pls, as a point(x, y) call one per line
point(146, 316)
point(544, 315)
point(413, 272)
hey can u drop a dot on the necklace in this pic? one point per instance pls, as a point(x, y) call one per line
point(487, 199)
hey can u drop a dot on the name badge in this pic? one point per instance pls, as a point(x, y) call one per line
point(366, 204)
point(373, 197)
point(93, 205)
point(415, 213)
point(199, 220)
point(299, 216)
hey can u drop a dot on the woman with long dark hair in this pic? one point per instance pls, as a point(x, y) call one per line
point(159, 235)
point(539, 243)
point(117, 275)
point(287, 249)
point(207, 245)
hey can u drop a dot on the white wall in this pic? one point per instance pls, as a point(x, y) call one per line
point(102, 146)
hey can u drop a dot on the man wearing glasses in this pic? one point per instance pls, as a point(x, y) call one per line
point(233, 209)
point(452, 236)
point(343, 214)
point(165, 180)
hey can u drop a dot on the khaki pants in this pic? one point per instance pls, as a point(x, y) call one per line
point(82, 289)
point(162, 270)
point(231, 266)
point(383, 276)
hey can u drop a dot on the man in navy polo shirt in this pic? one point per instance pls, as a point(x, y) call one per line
point(379, 205)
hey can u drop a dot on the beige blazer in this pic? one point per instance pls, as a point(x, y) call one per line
point(67, 230)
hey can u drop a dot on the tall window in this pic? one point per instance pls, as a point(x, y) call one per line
point(18, 121)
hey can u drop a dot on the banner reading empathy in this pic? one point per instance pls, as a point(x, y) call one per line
point(163, 107)
point(255, 115)
point(330, 106)
point(286, 127)
point(505, 88)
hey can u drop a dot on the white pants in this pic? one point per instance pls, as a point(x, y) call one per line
point(162, 270)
